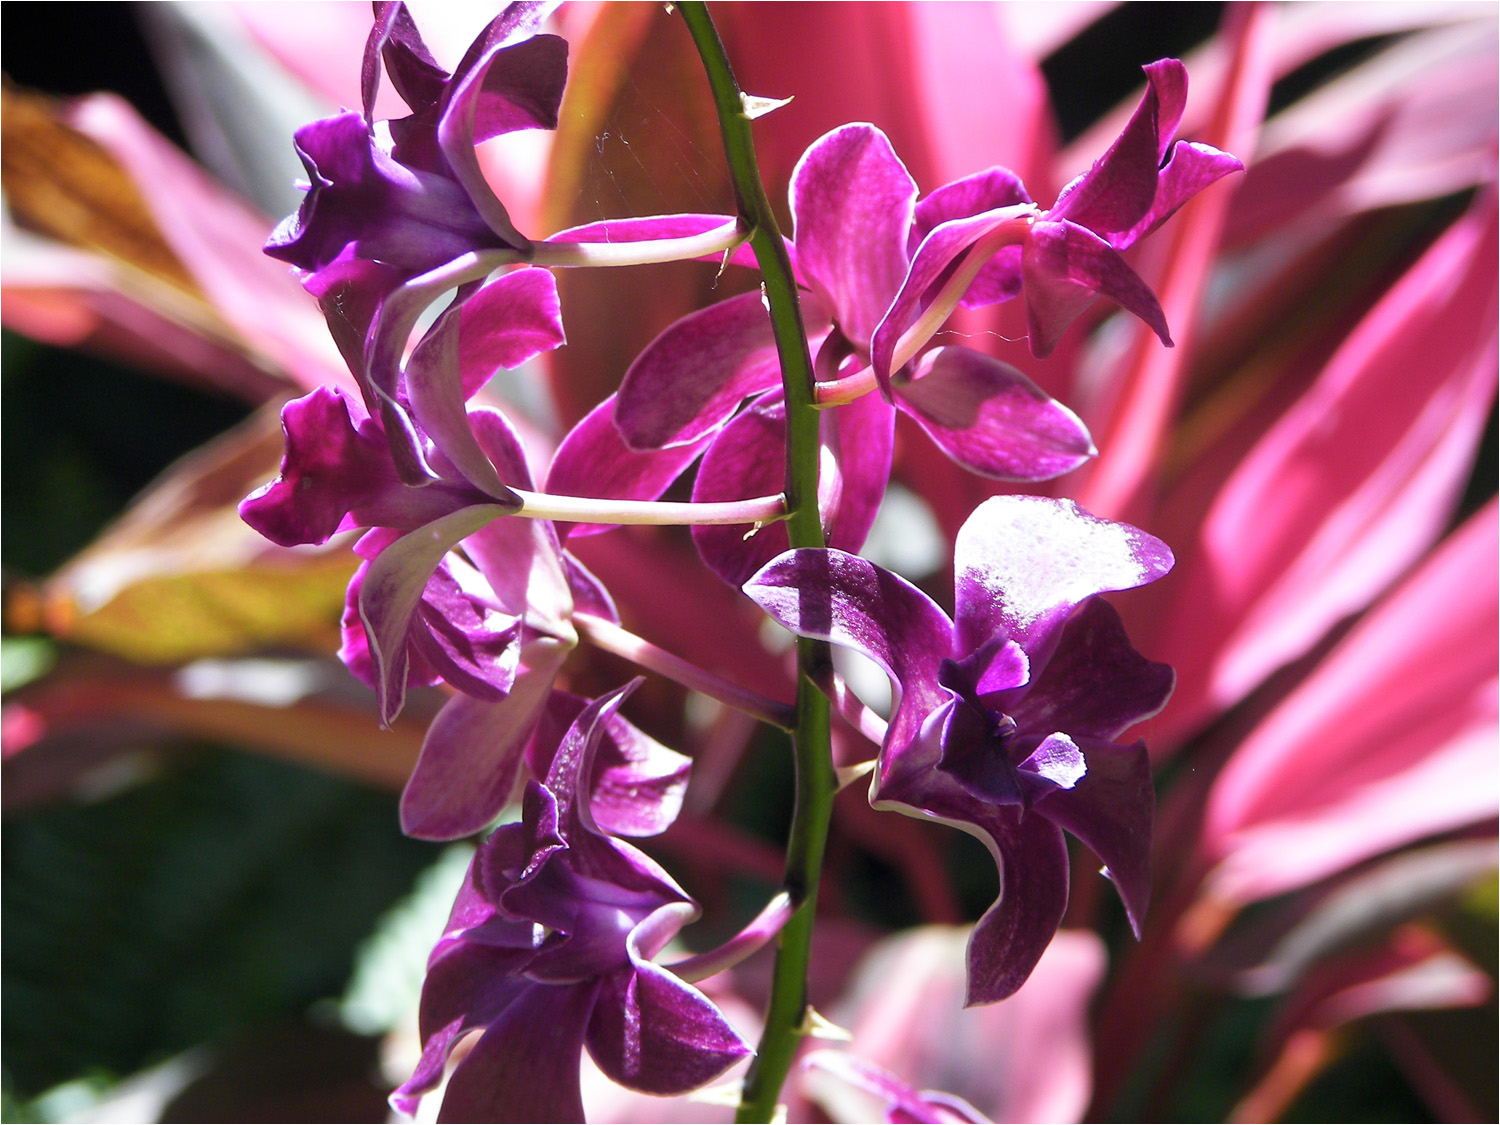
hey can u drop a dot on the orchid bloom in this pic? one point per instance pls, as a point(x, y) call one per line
point(549, 949)
point(1006, 713)
point(411, 194)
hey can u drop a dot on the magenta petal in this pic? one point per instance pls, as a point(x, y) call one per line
point(1111, 809)
point(1063, 266)
point(525, 1067)
point(505, 323)
point(1191, 169)
point(593, 460)
point(861, 436)
point(1119, 189)
point(938, 251)
point(692, 377)
point(462, 636)
point(1095, 685)
point(471, 757)
point(1014, 933)
point(435, 387)
point(991, 419)
point(852, 203)
point(523, 82)
point(747, 458)
point(589, 594)
point(654, 1034)
point(833, 596)
point(983, 191)
point(393, 586)
point(1024, 562)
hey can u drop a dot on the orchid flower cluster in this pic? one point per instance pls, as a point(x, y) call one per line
point(1008, 711)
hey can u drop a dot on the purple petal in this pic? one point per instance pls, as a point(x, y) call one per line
point(513, 87)
point(1095, 685)
point(983, 191)
point(656, 227)
point(1119, 189)
point(525, 1067)
point(937, 254)
point(336, 476)
point(1057, 761)
point(355, 648)
point(435, 387)
point(691, 378)
point(654, 1033)
point(897, 1100)
point(991, 419)
point(505, 323)
point(1191, 168)
point(1022, 563)
point(1063, 266)
point(593, 460)
point(747, 458)
point(589, 594)
point(461, 636)
point(393, 586)
point(861, 437)
point(1014, 933)
point(471, 757)
point(637, 785)
point(852, 204)
point(833, 596)
point(1111, 809)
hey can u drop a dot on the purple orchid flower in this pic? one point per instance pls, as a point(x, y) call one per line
point(1006, 715)
point(1058, 259)
point(410, 193)
point(549, 949)
point(855, 212)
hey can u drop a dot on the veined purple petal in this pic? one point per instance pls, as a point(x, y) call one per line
point(860, 436)
point(1118, 190)
point(462, 636)
point(637, 785)
point(991, 419)
point(852, 205)
point(747, 458)
point(434, 385)
point(983, 191)
point(360, 199)
point(1095, 685)
point(1063, 266)
point(1024, 562)
point(525, 1067)
point(833, 596)
point(593, 460)
point(393, 586)
point(1014, 933)
point(589, 594)
point(1192, 168)
point(1110, 809)
point(355, 649)
point(509, 87)
point(690, 379)
point(336, 475)
point(505, 323)
point(472, 754)
point(936, 255)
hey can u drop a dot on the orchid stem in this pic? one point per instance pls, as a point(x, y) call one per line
point(817, 783)
point(612, 638)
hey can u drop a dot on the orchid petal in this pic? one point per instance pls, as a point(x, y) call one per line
point(692, 377)
point(1063, 266)
point(991, 419)
point(1110, 809)
point(393, 586)
point(525, 1066)
point(1119, 189)
point(654, 1033)
point(832, 596)
point(1192, 168)
point(1095, 685)
point(471, 757)
point(593, 460)
point(852, 203)
point(505, 323)
point(944, 246)
point(1023, 563)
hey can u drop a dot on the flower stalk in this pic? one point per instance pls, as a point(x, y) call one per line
point(816, 780)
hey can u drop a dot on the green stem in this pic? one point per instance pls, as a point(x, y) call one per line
point(816, 780)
